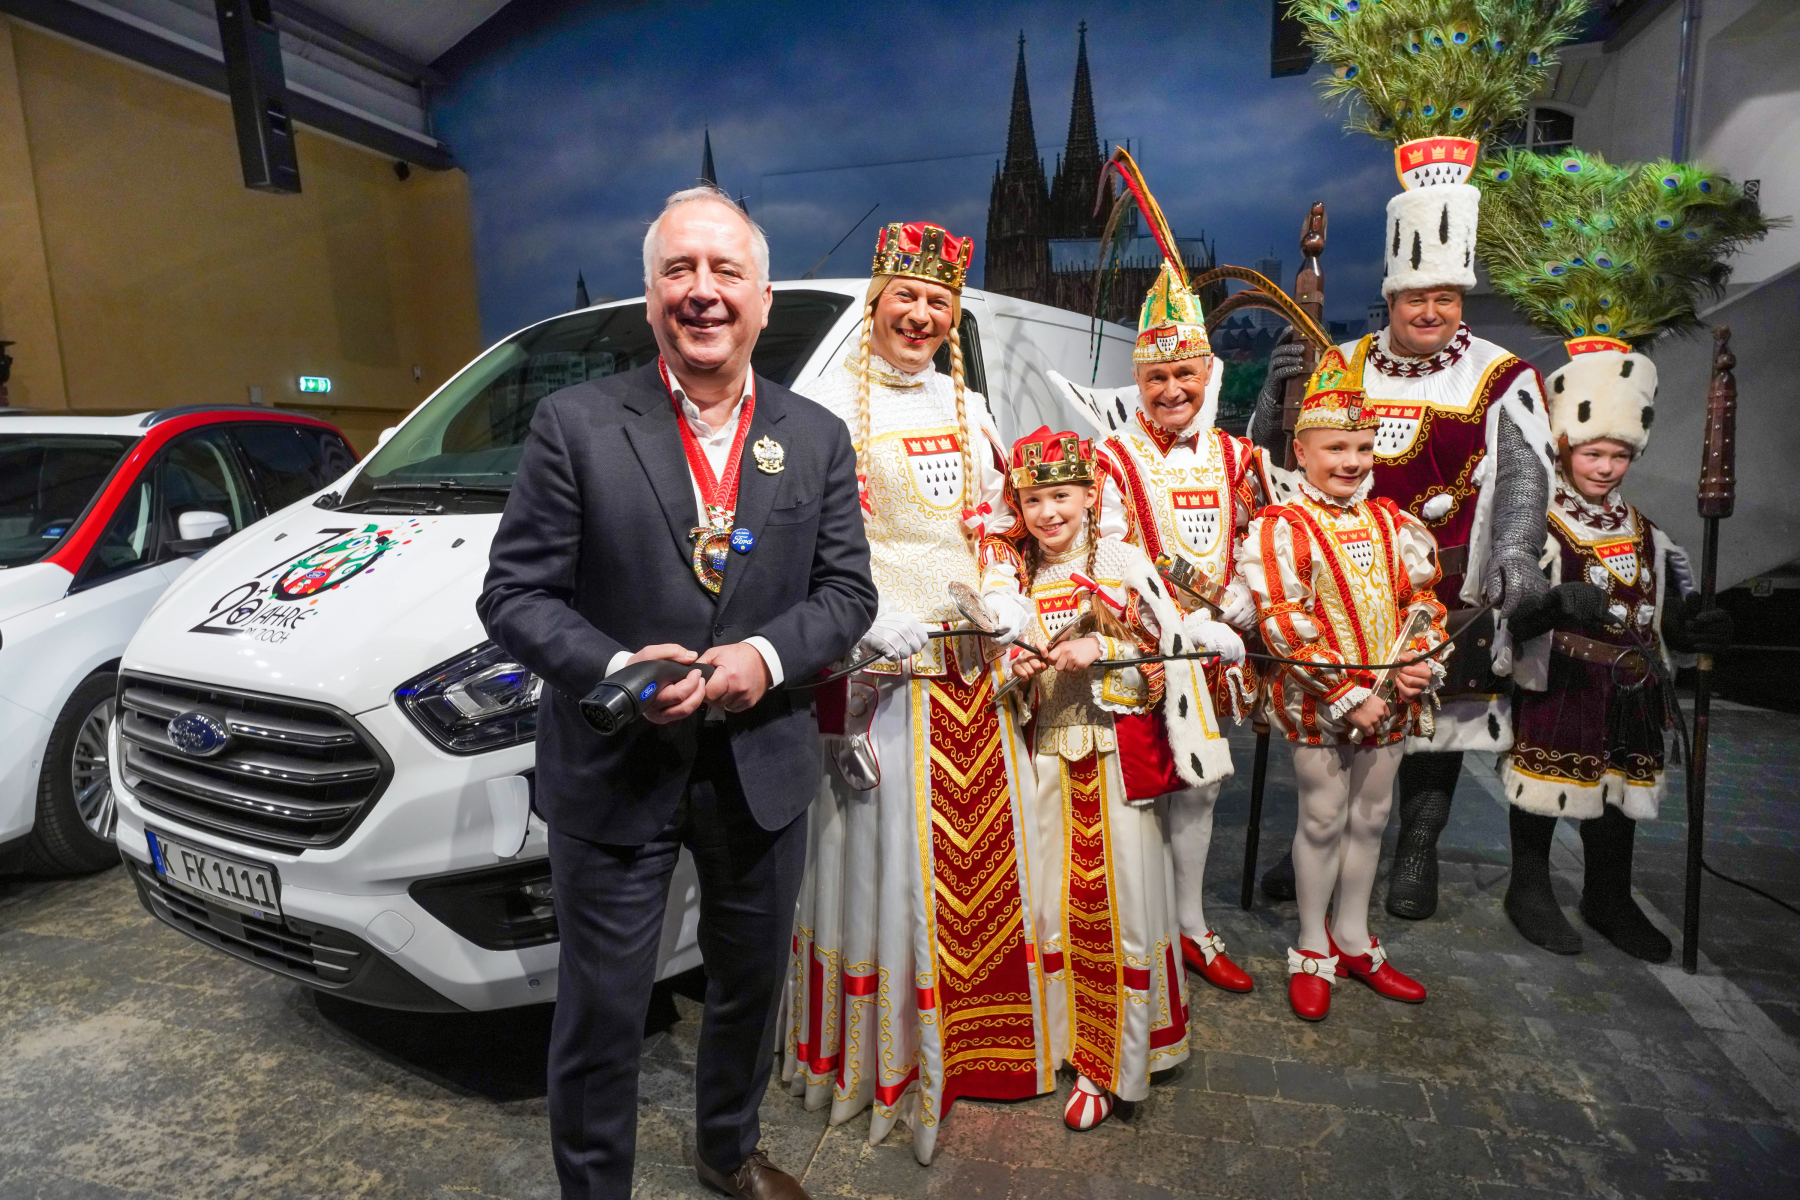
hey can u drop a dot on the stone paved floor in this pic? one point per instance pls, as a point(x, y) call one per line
point(135, 1063)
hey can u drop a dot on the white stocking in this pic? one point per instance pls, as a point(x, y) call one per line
point(1190, 838)
point(1323, 779)
point(1371, 796)
point(1345, 794)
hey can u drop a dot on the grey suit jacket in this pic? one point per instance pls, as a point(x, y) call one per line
point(593, 556)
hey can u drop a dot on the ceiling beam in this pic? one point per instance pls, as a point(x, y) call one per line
point(360, 44)
point(159, 54)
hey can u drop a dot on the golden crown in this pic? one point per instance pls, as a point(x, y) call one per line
point(920, 251)
point(1044, 458)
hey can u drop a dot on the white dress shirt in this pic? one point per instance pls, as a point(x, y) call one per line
point(716, 445)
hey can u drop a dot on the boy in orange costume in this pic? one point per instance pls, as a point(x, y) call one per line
point(1343, 579)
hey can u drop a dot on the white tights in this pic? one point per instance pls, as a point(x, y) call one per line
point(1190, 838)
point(1345, 794)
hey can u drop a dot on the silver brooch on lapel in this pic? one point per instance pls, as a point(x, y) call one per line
point(771, 459)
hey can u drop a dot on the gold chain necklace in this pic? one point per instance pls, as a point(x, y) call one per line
point(886, 379)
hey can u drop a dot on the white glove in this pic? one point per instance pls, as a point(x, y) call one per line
point(1008, 613)
point(897, 635)
point(1204, 633)
point(1240, 605)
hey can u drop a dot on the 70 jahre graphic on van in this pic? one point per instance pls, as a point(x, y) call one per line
point(276, 604)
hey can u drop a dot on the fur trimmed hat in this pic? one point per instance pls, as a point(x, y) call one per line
point(1431, 238)
point(1605, 390)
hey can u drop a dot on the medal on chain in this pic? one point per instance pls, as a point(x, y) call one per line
point(715, 539)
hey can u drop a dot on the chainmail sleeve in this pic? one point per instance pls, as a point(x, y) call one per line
point(1265, 425)
point(1286, 361)
point(1521, 501)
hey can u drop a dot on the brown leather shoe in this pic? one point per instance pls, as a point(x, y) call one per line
point(757, 1179)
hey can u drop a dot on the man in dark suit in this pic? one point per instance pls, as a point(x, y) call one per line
point(596, 564)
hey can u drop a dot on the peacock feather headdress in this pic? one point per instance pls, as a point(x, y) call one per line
point(1435, 76)
point(1608, 257)
point(1585, 247)
point(1436, 68)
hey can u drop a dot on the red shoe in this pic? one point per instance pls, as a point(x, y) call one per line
point(1221, 972)
point(1088, 1105)
point(1375, 970)
point(1309, 983)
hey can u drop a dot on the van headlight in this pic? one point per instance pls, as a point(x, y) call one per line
point(478, 701)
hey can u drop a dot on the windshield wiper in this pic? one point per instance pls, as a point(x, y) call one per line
point(442, 485)
point(389, 504)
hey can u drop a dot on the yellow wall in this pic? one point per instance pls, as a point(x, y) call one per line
point(137, 272)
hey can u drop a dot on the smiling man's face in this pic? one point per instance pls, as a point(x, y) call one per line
point(706, 301)
point(1173, 392)
point(912, 319)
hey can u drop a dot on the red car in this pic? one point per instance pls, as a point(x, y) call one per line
point(98, 515)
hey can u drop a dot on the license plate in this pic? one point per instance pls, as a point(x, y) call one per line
point(228, 881)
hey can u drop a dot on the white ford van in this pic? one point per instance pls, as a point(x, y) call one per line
point(324, 767)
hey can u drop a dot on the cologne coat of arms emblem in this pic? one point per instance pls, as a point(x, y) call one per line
point(1197, 517)
point(1399, 427)
point(936, 464)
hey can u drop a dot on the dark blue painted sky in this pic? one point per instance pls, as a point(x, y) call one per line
point(573, 134)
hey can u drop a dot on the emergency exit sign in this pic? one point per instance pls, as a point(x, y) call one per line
point(314, 383)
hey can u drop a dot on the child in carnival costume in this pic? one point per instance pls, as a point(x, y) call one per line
point(1102, 878)
point(1609, 257)
point(1174, 484)
point(1463, 444)
point(1342, 578)
point(916, 841)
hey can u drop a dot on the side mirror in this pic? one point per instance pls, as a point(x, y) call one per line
point(387, 433)
point(200, 531)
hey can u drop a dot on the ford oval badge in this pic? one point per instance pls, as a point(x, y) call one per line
point(199, 734)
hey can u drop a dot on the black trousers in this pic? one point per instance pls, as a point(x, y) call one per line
point(609, 909)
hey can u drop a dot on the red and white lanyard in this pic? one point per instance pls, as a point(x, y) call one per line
point(712, 537)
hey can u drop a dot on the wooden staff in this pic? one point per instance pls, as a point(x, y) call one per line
point(1309, 293)
point(1717, 496)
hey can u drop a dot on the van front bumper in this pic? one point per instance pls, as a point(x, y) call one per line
point(350, 923)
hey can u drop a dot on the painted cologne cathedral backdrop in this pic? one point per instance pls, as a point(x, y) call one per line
point(990, 119)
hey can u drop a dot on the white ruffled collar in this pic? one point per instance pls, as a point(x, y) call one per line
point(886, 374)
point(1357, 497)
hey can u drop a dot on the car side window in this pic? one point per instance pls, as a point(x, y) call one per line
point(968, 332)
point(130, 538)
point(336, 456)
point(290, 462)
point(198, 473)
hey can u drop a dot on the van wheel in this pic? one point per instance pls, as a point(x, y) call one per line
point(75, 807)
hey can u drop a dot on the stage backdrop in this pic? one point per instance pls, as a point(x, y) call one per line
point(574, 126)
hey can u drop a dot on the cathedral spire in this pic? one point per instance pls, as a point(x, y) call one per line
point(1072, 193)
point(1021, 138)
point(1017, 258)
point(707, 173)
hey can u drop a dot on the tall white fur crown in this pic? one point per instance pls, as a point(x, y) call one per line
point(1603, 392)
point(1431, 238)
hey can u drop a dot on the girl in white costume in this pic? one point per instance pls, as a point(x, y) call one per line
point(1103, 877)
point(914, 977)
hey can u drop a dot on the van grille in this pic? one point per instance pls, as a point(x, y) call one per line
point(315, 956)
point(292, 777)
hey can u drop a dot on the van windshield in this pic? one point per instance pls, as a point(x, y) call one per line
point(47, 481)
point(459, 454)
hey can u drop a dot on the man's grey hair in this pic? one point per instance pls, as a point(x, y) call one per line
point(759, 243)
